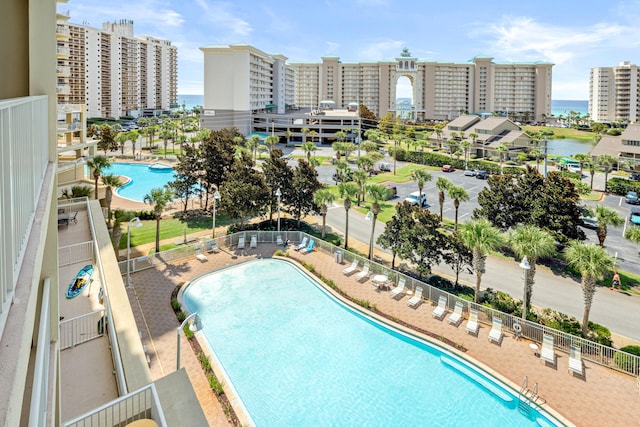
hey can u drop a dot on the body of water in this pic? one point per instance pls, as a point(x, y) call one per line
point(297, 356)
point(142, 179)
point(563, 107)
point(191, 101)
point(568, 147)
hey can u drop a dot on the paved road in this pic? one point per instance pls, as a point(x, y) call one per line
point(616, 310)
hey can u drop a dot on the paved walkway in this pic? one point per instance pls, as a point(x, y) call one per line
point(603, 397)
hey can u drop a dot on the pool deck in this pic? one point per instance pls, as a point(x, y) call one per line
point(602, 397)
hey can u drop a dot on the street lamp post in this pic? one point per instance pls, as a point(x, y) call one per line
point(216, 196)
point(195, 326)
point(137, 224)
point(524, 265)
point(369, 217)
point(278, 194)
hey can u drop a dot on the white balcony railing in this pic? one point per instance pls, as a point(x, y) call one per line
point(63, 89)
point(69, 108)
point(62, 51)
point(82, 329)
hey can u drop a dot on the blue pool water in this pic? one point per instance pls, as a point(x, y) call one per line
point(142, 180)
point(296, 356)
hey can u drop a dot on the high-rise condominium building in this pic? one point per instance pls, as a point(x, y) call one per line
point(240, 77)
point(112, 72)
point(440, 90)
point(241, 80)
point(614, 93)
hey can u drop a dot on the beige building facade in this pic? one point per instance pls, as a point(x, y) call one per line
point(112, 72)
point(440, 90)
point(614, 93)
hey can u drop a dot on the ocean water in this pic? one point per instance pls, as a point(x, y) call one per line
point(562, 106)
point(191, 101)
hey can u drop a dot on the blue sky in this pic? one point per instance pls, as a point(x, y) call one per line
point(574, 35)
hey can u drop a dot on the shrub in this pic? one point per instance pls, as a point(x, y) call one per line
point(622, 186)
point(216, 386)
point(627, 361)
point(501, 301)
point(204, 361)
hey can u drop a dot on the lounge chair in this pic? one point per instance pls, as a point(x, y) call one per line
point(456, 316)
point(211, 246)
point(254, 241)
point(309, 247)
point(241, 241)
point(364, 273)
point(302, 244)
point(548, 354)
point(202, 257)
point(398, 289)
point(416, 298)
point(439, 311)
point(279, 240)
point(575, 360)
point(495, 334)
point(352, 268)
point(472, 324)
point(74, 218)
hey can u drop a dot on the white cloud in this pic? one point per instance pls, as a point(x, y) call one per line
point(149, 13)
point(203, 4)
point(332, 46)
point(220, 15)
point(382, 49)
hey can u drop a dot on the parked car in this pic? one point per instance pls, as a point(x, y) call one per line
point(589, 222)
point(393, 192)
point(384, 167)
point(482, 174)
point(635, 217)
point(632, 198)
point(634, 176)
point(448, 168)
point(573, 168)
point(414, 198)
point(470, 172)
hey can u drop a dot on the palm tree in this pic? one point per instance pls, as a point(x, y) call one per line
point(110, 182)
point(98, 164)
point(159, 198)
point(591, 261)
point(305, 132)
point(501, 150)
point(421, 176)
point(606, 161)
point(376, 193)
point(347, 191)
point(121, 139)
point(360, 179)
point(252, 144)
point(534, 243)
point(536, 153)
point(474, 137)
point(633, 234)
point(288, 134)
point(271, 140)
point(480, 236)
point(322, 198)
point(312, 134)
point(165, 134)
point(466, 146)
point(583, 159)
point(606, 216)
point(133, 137)
point(442, 184)
point(458, 194)
point(308, 148)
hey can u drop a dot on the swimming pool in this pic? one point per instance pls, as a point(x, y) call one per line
point(296, 356)
point(142, 178)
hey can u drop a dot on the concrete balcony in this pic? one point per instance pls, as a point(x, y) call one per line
point(63, 90)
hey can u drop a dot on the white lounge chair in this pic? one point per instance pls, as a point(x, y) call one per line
point(309, 247)
point(279, 241)
point(495, 334)
point(241, 242)
point(364, 273)
point(254, 241)
point(548, 354)
point(398, 289)
point(302, 244)
point(202, 257)
point(472, 324)
point(439, 311)
point(456, 316)
point(416, 298)
point(575, 360)
point(211, 246)
point(352, 268)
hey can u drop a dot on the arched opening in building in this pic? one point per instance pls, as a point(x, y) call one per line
point(404, 99)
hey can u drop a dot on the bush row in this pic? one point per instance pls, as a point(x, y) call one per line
point(622, 186)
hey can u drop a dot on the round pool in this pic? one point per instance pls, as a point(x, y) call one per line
point(142, 179)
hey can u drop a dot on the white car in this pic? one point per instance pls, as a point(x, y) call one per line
point(573, 168)
point(413, 198)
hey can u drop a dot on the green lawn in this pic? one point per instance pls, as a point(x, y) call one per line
point(169, 228)
point(562, 132)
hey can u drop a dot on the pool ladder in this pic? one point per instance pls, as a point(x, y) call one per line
point(526, 397)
